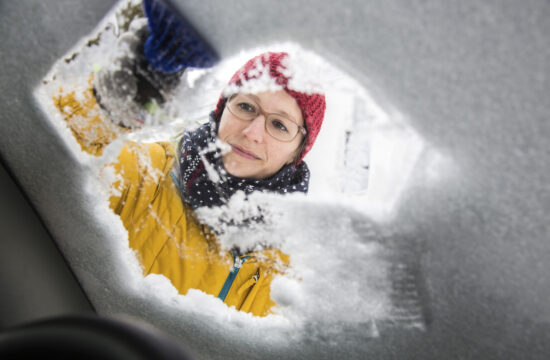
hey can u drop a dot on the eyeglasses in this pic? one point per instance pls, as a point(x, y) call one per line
point(278, 126)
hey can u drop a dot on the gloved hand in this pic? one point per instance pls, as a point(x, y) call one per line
point(128, 84)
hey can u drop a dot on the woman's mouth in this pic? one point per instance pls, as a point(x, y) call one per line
point(244, 153)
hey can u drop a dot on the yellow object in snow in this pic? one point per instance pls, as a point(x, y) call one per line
point(165, 231)
point(85, 120)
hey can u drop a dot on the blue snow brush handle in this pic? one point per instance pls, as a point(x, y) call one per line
point(173, 44)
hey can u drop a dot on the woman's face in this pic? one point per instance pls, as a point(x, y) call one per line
point(255, 154)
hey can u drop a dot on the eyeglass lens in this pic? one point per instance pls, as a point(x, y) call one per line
point(278, 126)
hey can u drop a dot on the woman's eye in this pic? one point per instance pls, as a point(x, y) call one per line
point(278, 125)
point(246, 107)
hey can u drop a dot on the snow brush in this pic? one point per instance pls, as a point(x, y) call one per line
point(173, 44)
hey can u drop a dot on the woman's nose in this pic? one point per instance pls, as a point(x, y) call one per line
point(255, 130)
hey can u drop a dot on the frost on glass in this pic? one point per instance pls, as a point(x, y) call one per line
point(347, 275)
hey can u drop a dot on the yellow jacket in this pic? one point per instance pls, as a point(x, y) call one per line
point(164, 231)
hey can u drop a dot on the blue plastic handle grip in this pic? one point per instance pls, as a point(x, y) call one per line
point(173, 44)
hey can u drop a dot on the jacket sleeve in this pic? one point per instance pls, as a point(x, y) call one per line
point(139, 170)
point(82, 115)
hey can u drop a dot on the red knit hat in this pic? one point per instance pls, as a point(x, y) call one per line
point(312, 104)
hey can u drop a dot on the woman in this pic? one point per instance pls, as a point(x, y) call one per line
point(268, 132)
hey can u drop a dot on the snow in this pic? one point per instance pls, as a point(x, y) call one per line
point(341, 278)
point(304, 69)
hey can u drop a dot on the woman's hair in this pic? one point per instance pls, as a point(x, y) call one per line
point(269, 71)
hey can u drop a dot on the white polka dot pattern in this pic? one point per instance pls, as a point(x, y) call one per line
point(199, 190)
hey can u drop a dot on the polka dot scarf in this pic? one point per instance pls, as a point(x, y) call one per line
point(203, 180)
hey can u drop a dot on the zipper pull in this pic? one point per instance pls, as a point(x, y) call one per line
point(249, 283)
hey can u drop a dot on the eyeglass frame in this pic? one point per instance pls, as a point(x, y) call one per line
point(261, 111)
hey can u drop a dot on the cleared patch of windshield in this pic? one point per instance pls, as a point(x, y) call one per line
point(347, 278)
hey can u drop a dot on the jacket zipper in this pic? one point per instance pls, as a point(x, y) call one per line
point(237, 263)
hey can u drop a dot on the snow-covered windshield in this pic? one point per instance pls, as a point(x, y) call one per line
point(347, 278)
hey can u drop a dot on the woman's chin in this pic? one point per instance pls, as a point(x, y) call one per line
point(237, 169)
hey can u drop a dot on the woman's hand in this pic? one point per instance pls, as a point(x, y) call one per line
point(128, 87)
